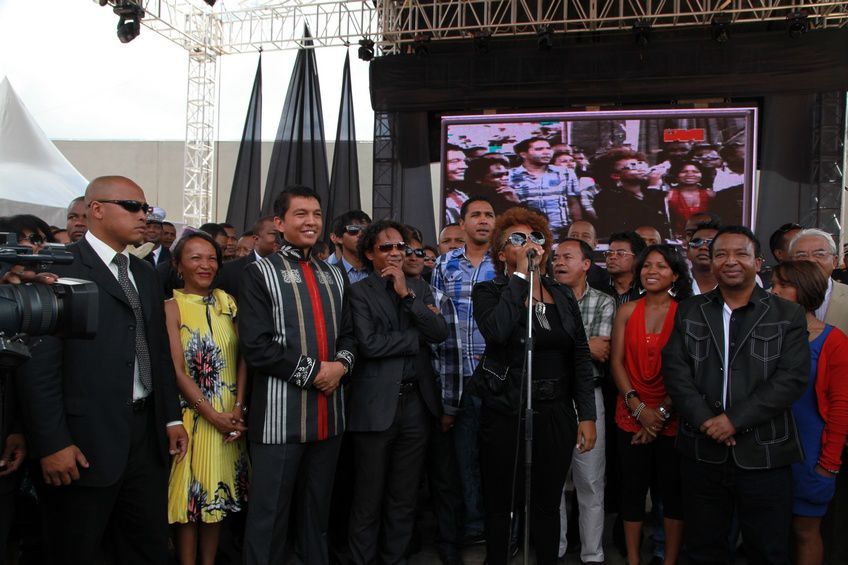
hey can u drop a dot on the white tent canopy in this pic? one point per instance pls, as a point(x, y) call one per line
point(35, 178)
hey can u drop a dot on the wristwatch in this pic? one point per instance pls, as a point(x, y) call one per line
point(410, 296)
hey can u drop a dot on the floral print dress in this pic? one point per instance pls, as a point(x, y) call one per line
point(211, 480)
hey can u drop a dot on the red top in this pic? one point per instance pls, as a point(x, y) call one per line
point(832, 397)
point(681, 211)
point(643, 362)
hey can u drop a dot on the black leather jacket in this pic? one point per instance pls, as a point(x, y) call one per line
point(768, 370)
point(500, 313)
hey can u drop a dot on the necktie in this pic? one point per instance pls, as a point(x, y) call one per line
point(142, 353)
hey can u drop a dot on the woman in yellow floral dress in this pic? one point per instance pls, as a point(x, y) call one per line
point(211, 481)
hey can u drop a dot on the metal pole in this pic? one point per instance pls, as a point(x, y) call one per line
point(528, 413)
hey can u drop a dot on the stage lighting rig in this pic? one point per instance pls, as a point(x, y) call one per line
point(798, 23)
point(129, 24)
point(642, 32)
point(366, 49)
point(481, 40)
point(544, 37)
point(721, 28)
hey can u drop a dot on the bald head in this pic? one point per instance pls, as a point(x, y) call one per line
point(116, 211)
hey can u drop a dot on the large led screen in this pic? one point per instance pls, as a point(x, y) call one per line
point(619, 170)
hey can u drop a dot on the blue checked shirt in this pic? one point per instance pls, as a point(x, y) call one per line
point(549, 194)
point(447, 356)
point(456, 276)
point(597, 309)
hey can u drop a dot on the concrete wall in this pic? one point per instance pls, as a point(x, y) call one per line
point(157, 166)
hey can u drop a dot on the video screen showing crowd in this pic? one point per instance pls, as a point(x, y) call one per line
point(612, 184)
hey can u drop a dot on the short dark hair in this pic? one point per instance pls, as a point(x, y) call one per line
point(248, 233)
point(682, 287)
point(283, 199)
point(809, 281)
point(523, 145)
point(369, 238)
point(345, 219)
point(778, 239)
point(738, 230)
point(637, 244)
point(257, 227)
point(320, 247)
point(464, 209)
point(431, 248)
point(213, 229)
point(21, 222)
point(452, 147)
point(169, 224)
point(585, 248)
point(710, 225)
point(413, 233)
point(227, 225)
point(177, 253)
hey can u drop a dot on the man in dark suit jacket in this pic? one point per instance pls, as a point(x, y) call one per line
point(153, 234)
point(268, 241)
point(103, 414)
point(394, 395)
point(736, 361)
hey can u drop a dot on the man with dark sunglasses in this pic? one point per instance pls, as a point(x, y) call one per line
point(103, 414)
point(347, 230)
point(698, 253)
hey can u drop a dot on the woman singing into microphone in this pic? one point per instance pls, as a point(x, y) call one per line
point(562, 378)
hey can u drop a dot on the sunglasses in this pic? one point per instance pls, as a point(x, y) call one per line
point(428, 259)
point(386, 247)
point(519, 239)
point(132, 206)
point(420, 253)
point(354, 229)
point(699, 242)
point(34, 239)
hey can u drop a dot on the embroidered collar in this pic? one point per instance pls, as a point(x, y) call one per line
point(289, 251)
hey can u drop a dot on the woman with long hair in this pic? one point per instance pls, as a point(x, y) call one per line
point(562, 379)
point(687, 196)
point(821, 413)
point(644, 414)
point(210, 482)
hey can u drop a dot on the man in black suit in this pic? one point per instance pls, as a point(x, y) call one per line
point(736, 361)
point(268, 241)
point(103, 414)
point(394, 395)
point(153, 234)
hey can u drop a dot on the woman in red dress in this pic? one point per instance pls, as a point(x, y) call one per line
point(644, 415)
point(687, 197)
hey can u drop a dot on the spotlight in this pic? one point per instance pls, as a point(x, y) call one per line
point(421, 44)
point(544, 37)
point(642, 32)
point(129, 25)
point(366, 49)
point(798, 23)
point(721, 28)
point(481, 41)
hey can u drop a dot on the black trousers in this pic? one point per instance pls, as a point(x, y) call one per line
point(287, 475)
point(129, 518)
point(554, 434)
point(761, 498)
point(654, 465)
point(445, 491)
point(388, 471)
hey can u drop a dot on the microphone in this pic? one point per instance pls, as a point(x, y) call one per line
point(531, 254)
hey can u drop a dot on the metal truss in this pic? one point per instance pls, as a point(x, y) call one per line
point(383, 205)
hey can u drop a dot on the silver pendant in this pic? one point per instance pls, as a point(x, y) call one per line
point(539, 310)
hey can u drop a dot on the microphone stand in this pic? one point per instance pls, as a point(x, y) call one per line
point(528, 413)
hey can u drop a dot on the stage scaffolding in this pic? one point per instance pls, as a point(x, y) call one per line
point(245, 26)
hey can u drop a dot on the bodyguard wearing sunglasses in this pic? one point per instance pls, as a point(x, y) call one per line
point(698, 253)
point(394, 395)
point(347, 231)
point(562, 378)
point(103, 414)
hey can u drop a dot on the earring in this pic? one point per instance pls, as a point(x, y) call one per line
point(671, 292)
point(180, 275)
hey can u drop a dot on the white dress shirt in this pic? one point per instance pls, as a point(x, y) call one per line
point(821, 311)
point(726, 313)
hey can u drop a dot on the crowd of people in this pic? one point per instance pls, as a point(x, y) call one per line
point(616, 189)
point(292, 396)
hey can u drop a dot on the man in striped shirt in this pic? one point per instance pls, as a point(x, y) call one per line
point(296, 333)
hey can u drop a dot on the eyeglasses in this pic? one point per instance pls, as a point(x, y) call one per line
point(386, 247)
point(34, 239)
point(132, 206)
point(420, 253)
point(699, 242)
point(633, 165)
point(428, 259)
point(519, 239)
point(620, 253)
point(355, 229)
point(817, 254)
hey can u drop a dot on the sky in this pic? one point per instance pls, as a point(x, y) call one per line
point(79, 82)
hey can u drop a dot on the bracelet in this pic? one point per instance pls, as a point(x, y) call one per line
point(832, 471)
point(198, 402)
point(630, 394)
point(638, 411)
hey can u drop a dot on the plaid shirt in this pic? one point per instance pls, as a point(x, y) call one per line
point(549, 194)
point(447, 356)
point(456, 276)
point(597, 310)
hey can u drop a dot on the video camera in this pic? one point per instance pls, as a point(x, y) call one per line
point(68, 308)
